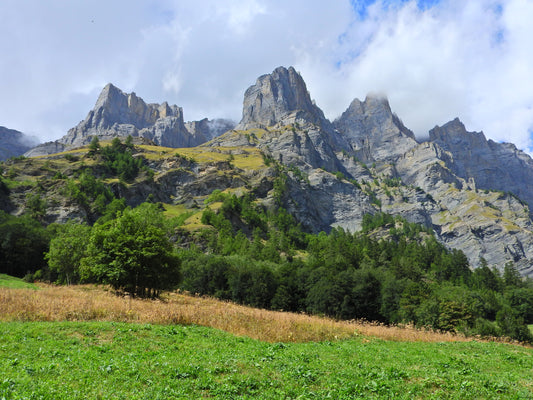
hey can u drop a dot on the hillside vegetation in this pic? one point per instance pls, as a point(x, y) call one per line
point(239, 243)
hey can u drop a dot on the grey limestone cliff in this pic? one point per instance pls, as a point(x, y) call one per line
point(279, 97)
point(374, 132)
point(294, 129)
point(484, 224)
point(119, 114)
point(490, 165)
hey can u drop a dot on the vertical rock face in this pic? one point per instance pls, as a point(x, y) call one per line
point(299, 132)
point(14, 143)
point(374, 132)
point(276, 97)
point(491, 165)
point(120, 114)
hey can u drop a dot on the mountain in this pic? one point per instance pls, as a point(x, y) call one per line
point(14, 143)
point(367, 161)
point(373, 131)
point(474, 193)
point(119, 114)
point(490, 165)
point(279, 97)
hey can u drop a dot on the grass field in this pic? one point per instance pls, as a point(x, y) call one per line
point(7, 281)
point(83, 342)
point(108, 360)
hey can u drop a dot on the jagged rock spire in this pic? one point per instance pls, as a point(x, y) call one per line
point(374, 132)
point(121, 114)
point(276, 97)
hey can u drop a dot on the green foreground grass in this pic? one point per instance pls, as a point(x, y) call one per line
point(14, 283)
point(107, 360)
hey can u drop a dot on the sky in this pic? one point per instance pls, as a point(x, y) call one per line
point(434, 59)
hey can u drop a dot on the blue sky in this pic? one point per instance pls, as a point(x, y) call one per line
point(360, 6)
point(434, 60)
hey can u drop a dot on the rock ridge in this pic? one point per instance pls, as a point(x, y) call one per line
point(373, 131)
point(490, 165)
point(119, 114)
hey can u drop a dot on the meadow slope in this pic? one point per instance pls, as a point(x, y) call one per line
point(84, 342)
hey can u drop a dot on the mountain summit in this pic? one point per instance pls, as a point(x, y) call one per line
point(119, 114)
point(490, 165)
point(373, 131)
point(279, 97)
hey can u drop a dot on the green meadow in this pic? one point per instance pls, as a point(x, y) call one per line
point(8, 281)
point(108, 360)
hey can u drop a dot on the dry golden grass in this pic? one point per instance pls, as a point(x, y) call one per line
point(91, 303)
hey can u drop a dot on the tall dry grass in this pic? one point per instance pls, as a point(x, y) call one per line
point(91, 303)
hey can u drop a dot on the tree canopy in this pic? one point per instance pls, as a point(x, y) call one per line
point(132, 253)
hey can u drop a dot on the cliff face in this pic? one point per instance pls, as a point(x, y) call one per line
point(279, 97)
point(373, 131)
point(119, 114)
point(490, 165)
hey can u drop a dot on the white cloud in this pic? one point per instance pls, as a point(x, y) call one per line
point(468, 59)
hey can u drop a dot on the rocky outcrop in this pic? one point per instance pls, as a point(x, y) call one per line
point(278, 98)
point(484, 224)
point(120, 114)
point(490, 165)
point(373, 131)
point(293, 129)
point(45, 149)
point(14, 143)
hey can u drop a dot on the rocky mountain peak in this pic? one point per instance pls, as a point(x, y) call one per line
point(116, 107)
point(491, 165)
point(119, 114)
point(275, 98)
point(374, 131)
point(453, 136)
point(109, 95)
